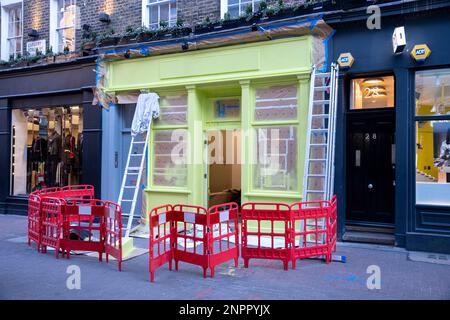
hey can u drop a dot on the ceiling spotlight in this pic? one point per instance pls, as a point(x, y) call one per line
point(373, 81)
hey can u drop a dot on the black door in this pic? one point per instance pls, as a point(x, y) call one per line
point(371, 167)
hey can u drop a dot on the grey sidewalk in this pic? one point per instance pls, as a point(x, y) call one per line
point(27, 274)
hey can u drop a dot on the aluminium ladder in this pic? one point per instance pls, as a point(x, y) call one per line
point(131, 181)
point(318, 179)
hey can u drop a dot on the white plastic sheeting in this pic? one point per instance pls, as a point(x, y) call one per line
point(147, 108)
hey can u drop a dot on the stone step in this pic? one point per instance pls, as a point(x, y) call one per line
point(369, 237)
point(369, 229)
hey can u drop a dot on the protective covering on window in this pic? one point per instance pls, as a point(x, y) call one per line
point(170, 147)
point(173, 110)
point(275, 167)
point(276, 103)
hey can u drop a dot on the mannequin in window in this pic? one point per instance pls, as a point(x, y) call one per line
point(69, 157)
point(444, 153)
point(39, 149)
point(54, 155)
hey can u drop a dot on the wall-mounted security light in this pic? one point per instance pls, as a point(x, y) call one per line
point(254, 27)
point(86, 27)
point(33, 33)
point(104, 17)
point(399, 40)
point(185, 46)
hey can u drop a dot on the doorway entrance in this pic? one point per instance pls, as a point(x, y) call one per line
point(371, 167)
point(223, 166)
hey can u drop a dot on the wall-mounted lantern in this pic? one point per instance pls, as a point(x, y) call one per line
point(104, 17)
point(33, 33)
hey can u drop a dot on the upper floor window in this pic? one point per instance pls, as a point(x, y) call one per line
point(236, 8)
point(63, 25)
point(12, 26)
point(156, 11)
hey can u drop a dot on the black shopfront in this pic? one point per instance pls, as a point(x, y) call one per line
point(50, 134)
point(393, 126)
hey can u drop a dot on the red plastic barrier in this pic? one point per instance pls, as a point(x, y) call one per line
point(83, 226)
point(268, 213)
point(161, 239)
point(77, 192)
point(191, 241)
point(224, 235)
point(194, 235)
point(113, 232)
point(51, 231)
point(34, 220)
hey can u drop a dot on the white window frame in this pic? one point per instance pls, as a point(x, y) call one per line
point(54, 28)
point(146, 12)
point(224, 7)
point(4, 45)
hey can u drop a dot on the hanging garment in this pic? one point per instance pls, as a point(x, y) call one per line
point(39, 149)
point(147, 108)
point(54, 145)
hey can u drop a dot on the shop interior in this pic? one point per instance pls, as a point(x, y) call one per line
point(47, 146)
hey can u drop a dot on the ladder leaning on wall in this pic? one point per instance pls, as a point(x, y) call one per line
point(318, 179)
point(131, 180)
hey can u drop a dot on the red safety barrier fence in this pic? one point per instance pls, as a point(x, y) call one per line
point(223, 235)
point(34, 220)
point(69, 219)
point(309, 231)
point(193, 235)
point(270, 243)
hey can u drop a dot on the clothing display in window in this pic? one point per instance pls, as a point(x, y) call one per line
point(48, 143)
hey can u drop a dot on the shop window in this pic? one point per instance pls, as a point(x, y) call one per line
point(236, 8)
point(63, 25)
point(156, 11)
point(433, 137)
point(433, 92)
point(372, 93)
point(12, 26)
point(276, 157)
point(170, 165)
point(46, 148)
point(276, 103)
point(173, 110)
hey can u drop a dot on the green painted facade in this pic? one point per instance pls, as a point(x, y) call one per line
point(228, 72)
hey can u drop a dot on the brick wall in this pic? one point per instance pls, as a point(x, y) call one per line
point(122, 13)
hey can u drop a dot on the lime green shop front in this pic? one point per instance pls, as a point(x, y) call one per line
point(228, 88)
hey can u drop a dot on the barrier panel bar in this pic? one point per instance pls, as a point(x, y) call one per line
point(34, 220)
point(83, 226)
point(191, 241)
point(113, 232)
point(310, 228)
point(161, 239)
point(52, 209)
point(224, 235)
point(267, 216)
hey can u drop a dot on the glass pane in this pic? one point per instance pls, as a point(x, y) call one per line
point(47, 146)
point(275, 167)
point(153, 16)
point(372, 93)
point(433, 92)
point(433, 162)
point(276, 103)
point(227, 109)
point(66, 39)
point(170, 167)
point(66, 13)
point(173, 110)
point(164, 12)
point(233, 11)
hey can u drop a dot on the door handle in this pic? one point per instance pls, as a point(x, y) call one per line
point(370, 186)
